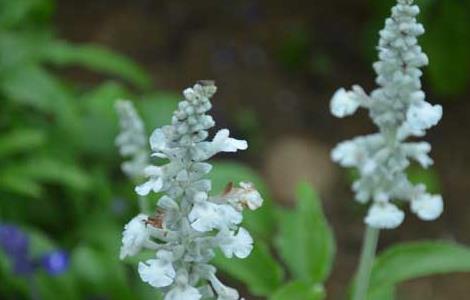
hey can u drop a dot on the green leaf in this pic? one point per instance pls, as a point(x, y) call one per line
point(305, 241)
point(18, 12)
point(97, 59)
point(384, 293)
point(259, 271)
point(51, 170)
point(413, 260)
point(19, 140)
point(21, 185)
point(261, 222)
point(299, 290)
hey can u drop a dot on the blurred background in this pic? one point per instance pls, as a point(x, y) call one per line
point(63, 198)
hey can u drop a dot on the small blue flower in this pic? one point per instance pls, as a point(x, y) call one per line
point(14, 241)
point(55, 262)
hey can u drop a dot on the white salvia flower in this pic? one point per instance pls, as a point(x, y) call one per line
point(155, 182)
point(245, 196)
point(239, 244)
point(134, 237)
point(158, 272)
point(384, 215)
point(427, 207)
point(399, 109)
point(422, 116)
point(189, 223)
point(131, 140)
point(223, 143)
point(343, 103)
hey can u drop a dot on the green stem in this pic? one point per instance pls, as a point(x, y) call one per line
point(143, 205)
point(369, 247)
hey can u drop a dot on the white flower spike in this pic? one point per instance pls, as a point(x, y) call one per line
point(399, 109)
point(131, 140)
point(189, 223)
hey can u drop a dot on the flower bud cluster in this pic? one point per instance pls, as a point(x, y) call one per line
point(189, 223)
point(399, 109)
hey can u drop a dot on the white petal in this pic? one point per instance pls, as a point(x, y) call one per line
point(427, 207)
point(158, 140)
point(186, 292)
point(343, 103)
point(222, 142)
point(206, 216)
point(347, 154)
point(423, 115)
point(134, 236)
point(384, 215)
point(157, 272)
point(239, 245)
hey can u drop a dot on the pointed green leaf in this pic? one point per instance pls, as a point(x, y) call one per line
point(305, 241)
point(417, 259)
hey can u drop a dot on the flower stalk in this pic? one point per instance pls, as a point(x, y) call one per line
point(366, 262)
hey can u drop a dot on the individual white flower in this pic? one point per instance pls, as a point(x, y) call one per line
point(250, 197)
point(223, 143)
point(239, 244)
point(241, 197)
point(343, 103)
point(423, 115)
point(223, 292)
point(134, 236)
point(427, 207)
point(206, 216)
point(159, 141)
point(347, 153)
point(158, 272)
point(384, 215)
point(155, 182)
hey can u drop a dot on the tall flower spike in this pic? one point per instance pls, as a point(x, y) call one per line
point(399, 110)
point(189, 223)
point(132, 141)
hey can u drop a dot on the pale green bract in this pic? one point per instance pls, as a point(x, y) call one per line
point(189, 223)
point(399, 110)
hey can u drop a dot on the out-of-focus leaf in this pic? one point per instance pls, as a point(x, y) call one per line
point(56, 287)
point(413, 260)
point(157, 108)
point(259, 271)
point(305, 241)
point(100, 272)
point(260, 222)
point(384, 293)
point(86, 265)
point(447, 43)
point(21, 185)
point(299, 290)
point(50, 170)
point(20, 140)
point(427, 177)
point(100, 119)
point(18, 12)
point(98, 59)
